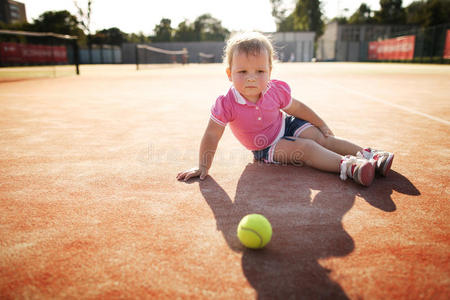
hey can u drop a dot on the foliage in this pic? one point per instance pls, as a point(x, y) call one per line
point(15, 26)
point(111, 36)
point(207, 28)
point(340, 20)
point(363, 15)
point(288, 24)
point(138, 38)
point(56, 21)
point(278, 12)
point(163, 31)
point(185, 32)
point(307, 16)
point(416, 13)
point(424, 13)
point(438, 12)
point(84, 16)
point(391, 12)
point(204, 28)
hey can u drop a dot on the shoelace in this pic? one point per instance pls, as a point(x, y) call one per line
point(370, 153)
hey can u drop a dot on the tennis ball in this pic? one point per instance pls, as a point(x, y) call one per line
point(254, 231)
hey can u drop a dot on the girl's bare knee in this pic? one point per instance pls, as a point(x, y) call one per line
point(314, 134)
point(291, 151)
point(319, 138)
point(325, 140)
point(302, 150)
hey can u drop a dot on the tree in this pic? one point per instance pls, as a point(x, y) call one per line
point(391, 12)
point(204, 28)
point(56, 21)
point(278, 12)
point(439, 12)
point(340, 20)
point(111, 36)
point(287, 24)
point(84, 16)
point(308, 16)
point(416, 13)
point(185, 32)
point(138, 38)
point(363, 15)
point(163, 31)
point(208, 28)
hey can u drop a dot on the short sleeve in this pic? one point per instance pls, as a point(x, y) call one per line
point(220, 111)
point(283, 92)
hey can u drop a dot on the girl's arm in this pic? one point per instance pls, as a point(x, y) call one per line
point(302, 111)
point(208, 147)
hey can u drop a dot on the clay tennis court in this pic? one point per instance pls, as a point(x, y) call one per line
point(91, 208)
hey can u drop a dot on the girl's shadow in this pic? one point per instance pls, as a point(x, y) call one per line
point(305, 208)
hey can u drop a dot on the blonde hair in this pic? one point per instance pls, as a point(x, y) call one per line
point(249, 43)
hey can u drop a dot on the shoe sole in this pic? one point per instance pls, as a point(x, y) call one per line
point(366, 174)
point(387, 166)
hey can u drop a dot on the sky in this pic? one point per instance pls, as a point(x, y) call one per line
point(134, 16)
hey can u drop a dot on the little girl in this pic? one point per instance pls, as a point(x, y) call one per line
point(276, 127)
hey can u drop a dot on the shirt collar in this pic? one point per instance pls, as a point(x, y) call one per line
point(237, 96)
point(240, 99)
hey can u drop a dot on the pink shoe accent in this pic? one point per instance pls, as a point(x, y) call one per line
point(361, 170)
point(366, 174)
point(383, 159)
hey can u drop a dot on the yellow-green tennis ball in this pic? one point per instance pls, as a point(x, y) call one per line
point(254, 231)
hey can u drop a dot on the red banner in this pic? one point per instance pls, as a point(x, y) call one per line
point(401, 48)
point(447, 46)
point(15, 53)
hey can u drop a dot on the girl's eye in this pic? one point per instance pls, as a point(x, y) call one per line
point(242, 72)
point(261, 71)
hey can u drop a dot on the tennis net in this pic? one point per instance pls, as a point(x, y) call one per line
point(206, 57)
point(25, 54)
point(146, 54)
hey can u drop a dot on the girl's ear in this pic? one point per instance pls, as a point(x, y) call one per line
point(229, 73)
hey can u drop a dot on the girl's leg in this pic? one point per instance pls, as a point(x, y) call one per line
point(332, 143)
point(301, 150)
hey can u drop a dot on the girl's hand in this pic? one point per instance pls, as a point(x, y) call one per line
point(326, 130)
point(194, 172)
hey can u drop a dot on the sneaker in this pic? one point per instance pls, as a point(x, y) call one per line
point(383, 159)
point(361, 170)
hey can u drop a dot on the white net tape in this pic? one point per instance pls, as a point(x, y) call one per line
point(205, 55)
point(163, 51)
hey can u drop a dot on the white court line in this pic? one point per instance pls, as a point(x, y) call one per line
point(376, 99)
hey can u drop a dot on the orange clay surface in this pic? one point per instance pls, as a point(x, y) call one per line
point(90, 206)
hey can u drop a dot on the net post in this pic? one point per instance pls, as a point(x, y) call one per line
point(76, 56)
point(52, 45)
point(113, 59)
point(102, 59)
point(137, 58)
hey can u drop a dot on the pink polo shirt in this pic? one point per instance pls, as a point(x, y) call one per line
point(256, 125)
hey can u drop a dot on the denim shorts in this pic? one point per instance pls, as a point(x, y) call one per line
point(292, 128)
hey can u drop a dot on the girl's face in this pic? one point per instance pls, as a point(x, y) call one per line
point(250, 73)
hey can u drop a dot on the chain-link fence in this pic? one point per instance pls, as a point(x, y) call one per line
point(423, 45)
